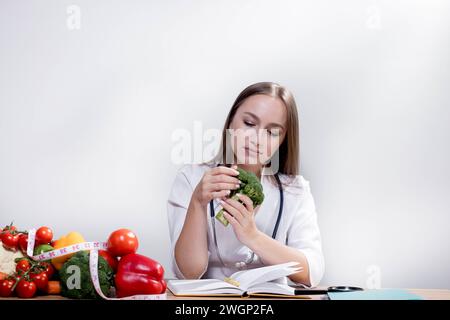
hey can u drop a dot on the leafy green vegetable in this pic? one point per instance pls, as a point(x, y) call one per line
point(76, 279)
point(250, 186)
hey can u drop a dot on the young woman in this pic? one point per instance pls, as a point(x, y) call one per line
point(264, 129)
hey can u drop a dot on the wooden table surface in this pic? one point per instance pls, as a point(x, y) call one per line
point(427, 294)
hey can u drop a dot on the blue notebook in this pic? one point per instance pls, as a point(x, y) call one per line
point(380, 294)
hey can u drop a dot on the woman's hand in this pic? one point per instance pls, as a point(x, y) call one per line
point(242, 218)
point(216, 183)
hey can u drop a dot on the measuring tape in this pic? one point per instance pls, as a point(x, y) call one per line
point(93, 247)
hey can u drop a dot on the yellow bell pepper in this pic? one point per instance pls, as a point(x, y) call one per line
point(67, 240)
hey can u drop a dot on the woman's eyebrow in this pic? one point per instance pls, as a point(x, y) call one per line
point(272, 124)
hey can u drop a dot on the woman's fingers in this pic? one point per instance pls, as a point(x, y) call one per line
point(246, 200)
point(237, 205)
point(232, 210)
point(225, 170)
point(232, 220)
point(220, 181)
point(224, 178)
point(222, 186)
point(220, 194)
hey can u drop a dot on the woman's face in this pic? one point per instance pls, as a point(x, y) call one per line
point(258, 129)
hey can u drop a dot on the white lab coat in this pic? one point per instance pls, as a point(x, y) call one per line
point(298, 227)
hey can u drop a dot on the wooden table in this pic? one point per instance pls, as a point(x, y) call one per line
point(427, 294)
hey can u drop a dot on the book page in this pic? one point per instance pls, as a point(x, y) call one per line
point(275, 274)
point(201, 286)
point(247, 278)
point(272, 287)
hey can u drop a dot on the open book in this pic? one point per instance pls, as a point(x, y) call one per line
point(265, 281)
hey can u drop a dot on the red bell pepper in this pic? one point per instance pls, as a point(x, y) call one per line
point(137, 274)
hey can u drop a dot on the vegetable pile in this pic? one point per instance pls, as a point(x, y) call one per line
point(121, 271)
point(250, 186)
point(28, 277)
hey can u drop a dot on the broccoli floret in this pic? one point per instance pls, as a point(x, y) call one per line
point(250, 186)
point(76, 279)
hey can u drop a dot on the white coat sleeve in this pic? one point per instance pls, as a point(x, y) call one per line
point(304, 235)
point(177, 206)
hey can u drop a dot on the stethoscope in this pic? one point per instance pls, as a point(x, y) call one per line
point(305, 291)
point(243, 264)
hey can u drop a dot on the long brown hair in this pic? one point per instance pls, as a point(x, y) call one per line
point(289, 155)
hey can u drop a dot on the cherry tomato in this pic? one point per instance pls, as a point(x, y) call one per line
point(49, 270)
point(10, 240)
point(40, 279)
point(10, 228)
point(6, 287)
point(23, 266)
point(23, 242)
point(26, 289)
point(122, 242)
point(44, 235)
point(112, 261)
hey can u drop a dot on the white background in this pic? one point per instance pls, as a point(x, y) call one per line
point(87, 116)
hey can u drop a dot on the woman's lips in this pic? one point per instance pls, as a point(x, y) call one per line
point(248, 150)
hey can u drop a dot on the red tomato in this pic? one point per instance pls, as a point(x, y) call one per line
point(49, 269)
point(122, 242)
point(23, 266)
point(44, 235)
point(6, 287)
point(40, 279)
point(10, 241)
point(10, 228)
point(26, 289)
point(23, 242)
point(112, 261)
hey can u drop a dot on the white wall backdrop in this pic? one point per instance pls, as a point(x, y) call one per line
point(91, 91)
